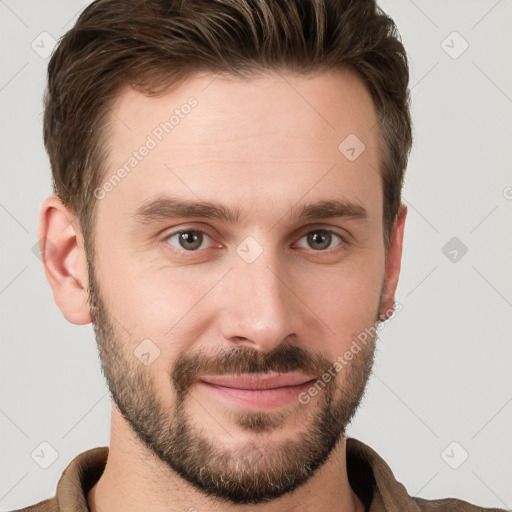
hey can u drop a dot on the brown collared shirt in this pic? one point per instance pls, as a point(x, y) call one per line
point(369, 476)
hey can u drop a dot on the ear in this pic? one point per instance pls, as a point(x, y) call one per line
point(65, 265)
point(393, 263)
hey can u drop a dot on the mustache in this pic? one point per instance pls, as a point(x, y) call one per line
point(239, 360)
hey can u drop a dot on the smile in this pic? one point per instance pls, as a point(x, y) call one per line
point(253, 391)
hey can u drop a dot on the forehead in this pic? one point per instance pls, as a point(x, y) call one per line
point(222, 135)
point(307, 106)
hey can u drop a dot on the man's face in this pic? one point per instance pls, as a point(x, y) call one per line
point(187, 308)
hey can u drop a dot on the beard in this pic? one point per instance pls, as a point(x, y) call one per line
point(251, 472)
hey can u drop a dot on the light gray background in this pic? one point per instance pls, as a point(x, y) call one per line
point(443, 364)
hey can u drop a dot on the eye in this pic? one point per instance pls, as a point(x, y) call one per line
point(192, 240)
point(321, 239)
point(187, 240)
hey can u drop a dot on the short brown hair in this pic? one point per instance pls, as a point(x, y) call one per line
point(155, 44)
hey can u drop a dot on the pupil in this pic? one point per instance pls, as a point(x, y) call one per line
point(320, 240)
point(189, 238)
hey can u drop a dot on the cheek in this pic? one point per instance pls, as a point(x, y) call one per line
point(346, 298)
point(155, 307)
point(134, 291)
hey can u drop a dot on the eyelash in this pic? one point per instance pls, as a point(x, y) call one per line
point(340, 246)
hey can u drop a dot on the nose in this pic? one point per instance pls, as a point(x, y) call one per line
point(260, 304)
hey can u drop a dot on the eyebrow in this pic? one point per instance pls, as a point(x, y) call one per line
point(162, 208)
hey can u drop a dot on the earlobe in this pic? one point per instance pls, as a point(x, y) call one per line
point(393, 263)
point(64, 260)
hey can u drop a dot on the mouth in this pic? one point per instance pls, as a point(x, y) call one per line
point(257, 391)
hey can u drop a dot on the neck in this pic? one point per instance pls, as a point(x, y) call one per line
point(136, 479)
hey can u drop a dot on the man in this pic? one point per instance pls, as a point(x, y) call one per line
point(227, 213)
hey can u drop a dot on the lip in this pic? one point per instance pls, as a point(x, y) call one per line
point(258, 381)
point(256, 391)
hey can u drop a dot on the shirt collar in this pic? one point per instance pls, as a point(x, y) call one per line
point(373, 481)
